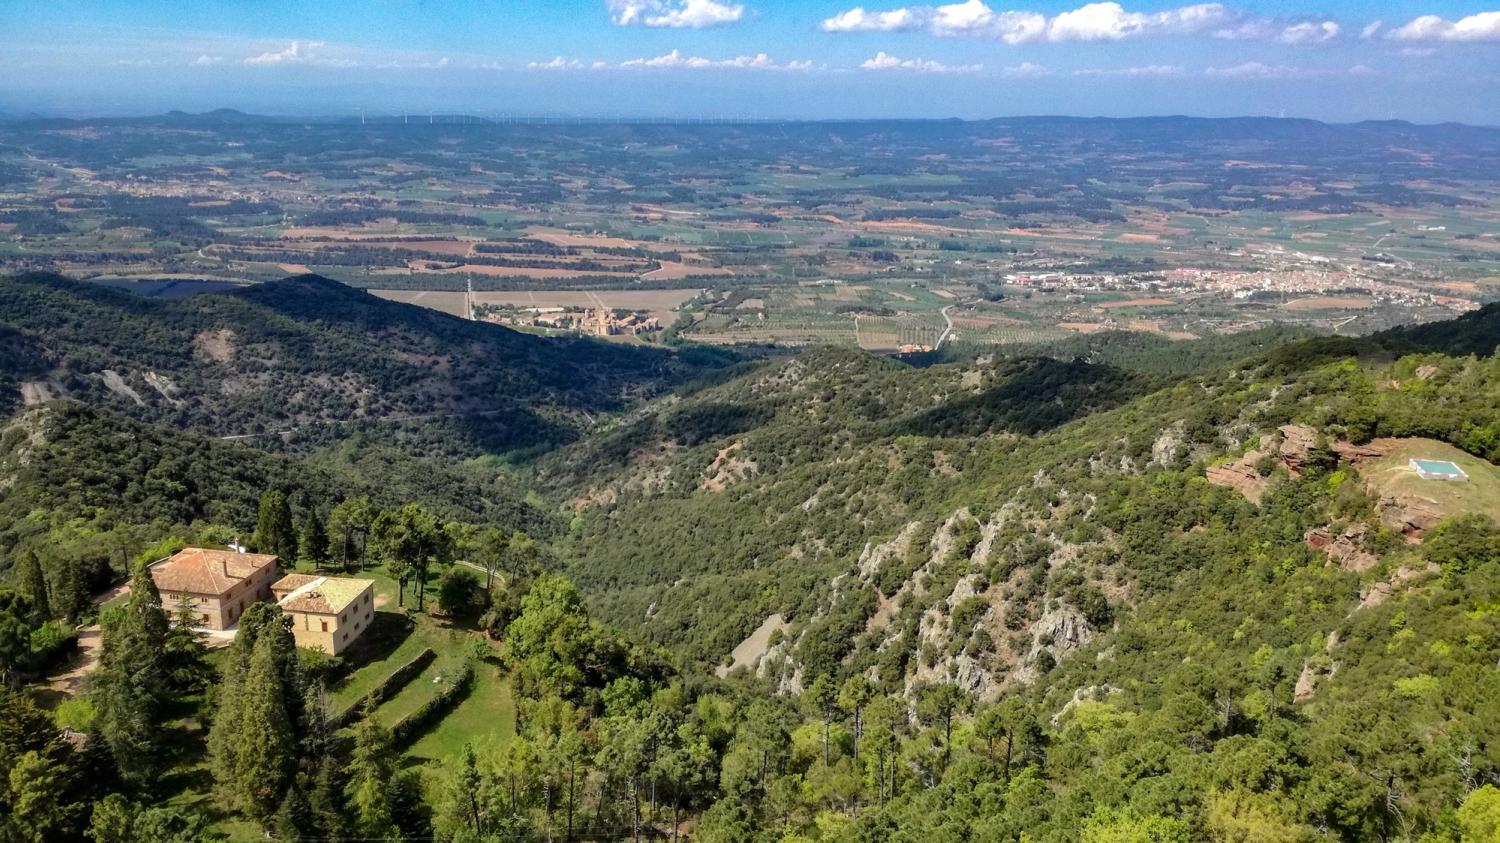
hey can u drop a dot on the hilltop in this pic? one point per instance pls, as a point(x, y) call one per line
point(312, 358)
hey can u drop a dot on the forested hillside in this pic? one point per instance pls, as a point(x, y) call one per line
point(1093, 592)
point(314, 358)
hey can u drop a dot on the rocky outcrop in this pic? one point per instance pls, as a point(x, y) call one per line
point(1056, 633)
point(1412, 517)
point(1298, 440)
point(1347, 549)
point(1243, 475)
point(1377, 593)
point(729, 466)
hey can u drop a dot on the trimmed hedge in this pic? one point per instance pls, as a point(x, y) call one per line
point(434, 709)
point(386, 689)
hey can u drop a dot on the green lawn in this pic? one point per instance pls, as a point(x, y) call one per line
point(486, 715)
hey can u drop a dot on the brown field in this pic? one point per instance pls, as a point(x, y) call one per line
point(672, 269)
point(294, 268)
point(1331, 303)
point(568, 238)
point(899, 225)
point(1139, 238)
point(444, 300)
point(1111, 305)
point(1080, 327)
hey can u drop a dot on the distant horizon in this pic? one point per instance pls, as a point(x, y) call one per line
point(452, 118)
point(1339, 61)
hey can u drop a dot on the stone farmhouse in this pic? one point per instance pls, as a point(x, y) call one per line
point(328, 613)
point(218, 585)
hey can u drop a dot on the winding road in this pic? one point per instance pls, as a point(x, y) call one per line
point(942, 338)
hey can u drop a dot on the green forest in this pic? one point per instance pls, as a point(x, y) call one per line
point(1114, 591)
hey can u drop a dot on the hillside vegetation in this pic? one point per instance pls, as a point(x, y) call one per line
point(1075, 594)
point(315, 359)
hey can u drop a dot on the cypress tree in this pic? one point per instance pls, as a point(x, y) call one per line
point(132, 682)
point(262, 687)
point(312, 541)
point(294, 819)
point(371, 771)
point(31, 582)
point(274, 531)
point(268, 754)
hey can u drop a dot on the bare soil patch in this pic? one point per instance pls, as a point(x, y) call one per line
point(1331, 303)
point(1111, 305)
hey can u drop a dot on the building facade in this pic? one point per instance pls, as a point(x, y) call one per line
point(217, 585)
point(327, 613)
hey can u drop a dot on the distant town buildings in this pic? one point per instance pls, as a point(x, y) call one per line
point(598, 322)
point(217, 585)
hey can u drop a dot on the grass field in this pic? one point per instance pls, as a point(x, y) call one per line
point(1389, 474)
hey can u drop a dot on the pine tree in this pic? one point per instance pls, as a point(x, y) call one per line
point(185, 655)
point(132, 682)
point(371, 771)
point(31, 582)
point(294, 819)
point(274, 530)
point(262, 687)
point(268, 757)
point(312, 541)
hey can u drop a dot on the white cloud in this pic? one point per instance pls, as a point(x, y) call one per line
point(1255, 70)
point(1419, 52)
point(206, 60)
point(676, 60)
point(674, 14)
point(1142, 71)
point(859, 20)
point(1252, 70)
point(1025, 70)
point(885, 61)
point(1309, 32)
point(1104, 21)
point(1484, 26)
point(299, 53)
point(557, 63)
point(1371, 30)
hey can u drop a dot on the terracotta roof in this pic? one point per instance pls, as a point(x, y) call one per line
point(319, 595)
point(195, 570)
point(292, 582)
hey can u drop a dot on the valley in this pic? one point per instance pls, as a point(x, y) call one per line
point(821, 501)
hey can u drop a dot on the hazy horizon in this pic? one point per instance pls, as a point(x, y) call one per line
point(1342, 61)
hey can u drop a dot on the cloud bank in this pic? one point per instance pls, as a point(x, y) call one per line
point(674, 14)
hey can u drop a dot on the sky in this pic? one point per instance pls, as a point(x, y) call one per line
point(1339, 60)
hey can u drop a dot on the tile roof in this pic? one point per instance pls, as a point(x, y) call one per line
point(319, 595)
point(196, 570)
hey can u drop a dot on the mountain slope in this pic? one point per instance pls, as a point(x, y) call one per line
point(306, 352)
point(842, 483)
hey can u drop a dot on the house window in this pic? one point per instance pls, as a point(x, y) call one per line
point(325, 625)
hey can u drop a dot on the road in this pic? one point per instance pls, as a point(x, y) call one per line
point(946, 331)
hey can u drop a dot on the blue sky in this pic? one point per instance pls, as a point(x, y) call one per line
point(1423, 60)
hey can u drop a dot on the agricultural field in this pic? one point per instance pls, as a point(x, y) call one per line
point(1172, 229)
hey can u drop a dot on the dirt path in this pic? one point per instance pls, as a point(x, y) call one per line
point(71, 680)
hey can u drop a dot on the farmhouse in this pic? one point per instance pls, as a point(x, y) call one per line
point(218, 585)
point(328, 613)
point(1437, 470)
